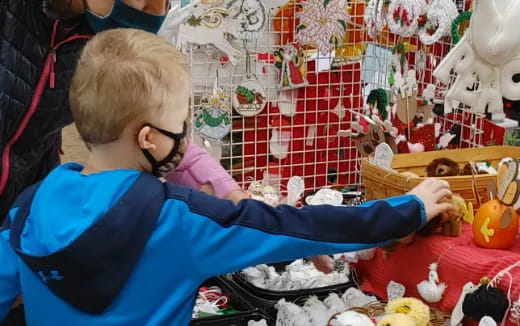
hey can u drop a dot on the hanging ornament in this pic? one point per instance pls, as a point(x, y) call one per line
point(290, 61)
point(375, 19)
point(287, 102)
point(403, 16)
point(250, 17)
point(249, 97)
point(395, 290)
point(213, 118)
point(323, 23)
point(208, 26)
point(406, 98)
point(432, 290)
point(436, 23)
point(281, 134)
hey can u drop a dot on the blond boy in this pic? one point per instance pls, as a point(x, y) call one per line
point(109, 244)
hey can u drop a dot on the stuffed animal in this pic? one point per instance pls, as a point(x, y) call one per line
point(442, 167)
point(450, 221)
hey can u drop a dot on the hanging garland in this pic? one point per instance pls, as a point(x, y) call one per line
point(455, 26)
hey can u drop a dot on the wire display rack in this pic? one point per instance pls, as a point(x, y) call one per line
point(275, 145)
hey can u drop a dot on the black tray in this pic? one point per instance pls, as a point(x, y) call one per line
point(246, 310)
point(266, 299)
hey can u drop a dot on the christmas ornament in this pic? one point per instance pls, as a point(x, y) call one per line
point(249, 96)
point(432, 290)
point(395, 290)
point(403, 16)
point(375, 18)
point(290, 61)
point(365, 134)
point(250, 15)
point(437, 21)
point(280, 138)
point(406, 93)
point(322, 23)
point(208, 26)
point(213, 118)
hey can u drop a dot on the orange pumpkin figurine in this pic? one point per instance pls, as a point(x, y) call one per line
point(496, 222)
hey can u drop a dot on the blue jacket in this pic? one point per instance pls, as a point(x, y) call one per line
point(121, 248)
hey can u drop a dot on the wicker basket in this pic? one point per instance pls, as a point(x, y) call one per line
point(380, 183)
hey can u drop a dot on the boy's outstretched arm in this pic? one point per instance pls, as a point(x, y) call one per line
point(222, 237)
point(9, 281)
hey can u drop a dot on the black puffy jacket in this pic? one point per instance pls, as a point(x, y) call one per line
point(37, 59)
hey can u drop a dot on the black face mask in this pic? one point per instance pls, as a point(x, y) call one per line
point(169, 163)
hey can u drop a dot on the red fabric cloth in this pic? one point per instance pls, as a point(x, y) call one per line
point(461, 261)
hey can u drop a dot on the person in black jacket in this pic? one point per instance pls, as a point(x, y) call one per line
point(40, 42)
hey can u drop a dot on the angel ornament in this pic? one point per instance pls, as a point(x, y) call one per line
point(213, 118)
point(290, 61)
point(432, 290)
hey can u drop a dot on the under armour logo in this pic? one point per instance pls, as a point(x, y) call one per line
point(53, 275)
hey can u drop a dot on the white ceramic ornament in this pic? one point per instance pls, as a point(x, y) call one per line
point(487, 321)
point(395, 290)
point(351, 318)
point(207, 26)
point(250, 15)
point(325, 197)
point(249, 98)
point(432, 290)
point(383, 156)
point(487, 54)
point(213, 119)
point(295, 189)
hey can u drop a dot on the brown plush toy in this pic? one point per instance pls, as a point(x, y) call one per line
point(442, 167)
point(466, 170)
point(450, 221)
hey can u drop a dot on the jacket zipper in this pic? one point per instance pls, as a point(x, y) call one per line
point(47, 74)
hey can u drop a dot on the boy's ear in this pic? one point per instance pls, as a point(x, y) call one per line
point(145, 138)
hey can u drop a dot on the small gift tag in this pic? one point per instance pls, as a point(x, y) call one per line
point(292, 67)
point(395, 290)
point(383, 156)
point(249, 97)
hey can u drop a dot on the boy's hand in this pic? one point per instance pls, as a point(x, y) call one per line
point(431, 192)
point(323, 264)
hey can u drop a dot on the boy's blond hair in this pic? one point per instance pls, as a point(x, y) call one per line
point(123, 75)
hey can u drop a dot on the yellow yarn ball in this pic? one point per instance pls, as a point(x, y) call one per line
point(414, 308)
point(396, 320)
